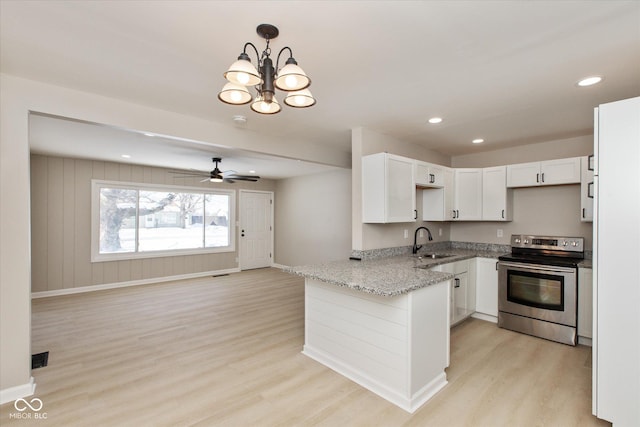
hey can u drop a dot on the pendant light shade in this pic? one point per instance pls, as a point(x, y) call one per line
point(264, 107)
point(234, 94)
point(292, 77)
point(300, 99)
point(266, 78)
point(242, 72)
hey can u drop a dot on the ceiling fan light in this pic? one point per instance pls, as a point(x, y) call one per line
point(242, 72)
point(234, 94)
point(300, 99)
point(292, 78)
point(216, 179)
point(263, 107)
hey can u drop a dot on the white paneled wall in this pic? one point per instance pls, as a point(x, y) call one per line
point(61, 225)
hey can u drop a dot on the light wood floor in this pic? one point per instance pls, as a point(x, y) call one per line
point(225, 351)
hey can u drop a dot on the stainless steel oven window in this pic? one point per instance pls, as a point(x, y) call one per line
point(536, 290)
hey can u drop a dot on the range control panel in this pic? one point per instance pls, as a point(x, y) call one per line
point(569, 244)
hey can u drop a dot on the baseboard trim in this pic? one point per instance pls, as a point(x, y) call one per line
point(280, 266)
point(18, 392)
point(408, 403)
point(92, 288)
point(485, 317)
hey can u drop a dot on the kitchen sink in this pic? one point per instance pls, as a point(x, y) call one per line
point(434, 256)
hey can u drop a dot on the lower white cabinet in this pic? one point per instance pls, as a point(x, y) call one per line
point(486, 286)
point(462, 295)
point(585, 305)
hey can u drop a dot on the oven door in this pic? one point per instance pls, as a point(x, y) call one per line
point(542, 292)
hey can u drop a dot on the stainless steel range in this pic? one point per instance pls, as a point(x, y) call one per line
point(538, 286)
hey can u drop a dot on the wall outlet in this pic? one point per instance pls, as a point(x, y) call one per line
point(421, 233)
point(500, 234)
point(439, 231)
point(406, 234)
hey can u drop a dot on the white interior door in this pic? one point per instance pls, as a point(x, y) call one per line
point(256, 229)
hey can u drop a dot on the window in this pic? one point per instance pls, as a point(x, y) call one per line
point(144, 220)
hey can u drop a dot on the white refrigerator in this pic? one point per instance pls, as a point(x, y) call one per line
point(616, 263)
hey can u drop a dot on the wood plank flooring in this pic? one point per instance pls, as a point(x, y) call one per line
point(225, 351)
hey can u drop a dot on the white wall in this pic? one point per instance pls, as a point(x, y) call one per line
point(312, 218)
point(20, 96)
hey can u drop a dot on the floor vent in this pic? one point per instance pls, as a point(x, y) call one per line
point(39, 360)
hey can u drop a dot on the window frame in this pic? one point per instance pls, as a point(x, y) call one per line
point(96, 256)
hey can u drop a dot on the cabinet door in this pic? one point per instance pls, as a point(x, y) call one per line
point(585, 302)
point(586, 190)
point(388, 189)
point(401, 190)
point(487, 286)
point(459, 291)
point(523, 175)
point(438, 175)
point(561, 171)
point(468, 194)
point(422, 174)
point(496, 198)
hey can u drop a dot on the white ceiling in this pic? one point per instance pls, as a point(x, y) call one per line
point(499, 70)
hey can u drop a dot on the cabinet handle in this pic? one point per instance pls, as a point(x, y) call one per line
point(583, 212)
point(432, 178)
point(415, 214)
point(537, 177)
point(590, 165)
point(457, 283)
point(590, 190)
point(496, 265)
point(542, 176)
point(502, 213)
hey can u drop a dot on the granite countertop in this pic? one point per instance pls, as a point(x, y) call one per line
point(388, 276)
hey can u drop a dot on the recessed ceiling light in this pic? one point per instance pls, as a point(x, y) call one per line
point(588, 81)
point(125, 156)
point(252, 171)
point(478, 141)
point(435, 120)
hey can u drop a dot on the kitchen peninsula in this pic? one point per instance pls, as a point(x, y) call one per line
point(383, 323)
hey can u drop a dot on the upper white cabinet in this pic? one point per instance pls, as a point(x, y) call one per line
point(388, 189)
point(467, 196)
point(437, 203)
point(497, 199)
point(550, 172)
point(429, 175)
point(586, 189)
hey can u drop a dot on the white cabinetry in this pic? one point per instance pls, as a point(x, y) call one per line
point(586, 189)
point(467, 197)
point(462, 295)
point(429, 175)
point(388, 189)
point(585, 305)
point(497, 199)
point(486, 289)
point(437, 203)
point(550, 172)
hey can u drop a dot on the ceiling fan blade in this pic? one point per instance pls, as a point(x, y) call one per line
point(245, 177)
point(229, 180)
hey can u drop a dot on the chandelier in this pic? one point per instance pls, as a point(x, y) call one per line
point(290, 78)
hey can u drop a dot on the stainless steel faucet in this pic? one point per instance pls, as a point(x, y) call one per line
point(415, 239)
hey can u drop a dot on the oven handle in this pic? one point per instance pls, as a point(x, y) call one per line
point(536, 267)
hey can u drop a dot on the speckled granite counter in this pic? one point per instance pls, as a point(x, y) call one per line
point(389, 276)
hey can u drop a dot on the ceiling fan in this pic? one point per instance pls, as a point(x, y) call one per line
point(216, 175)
